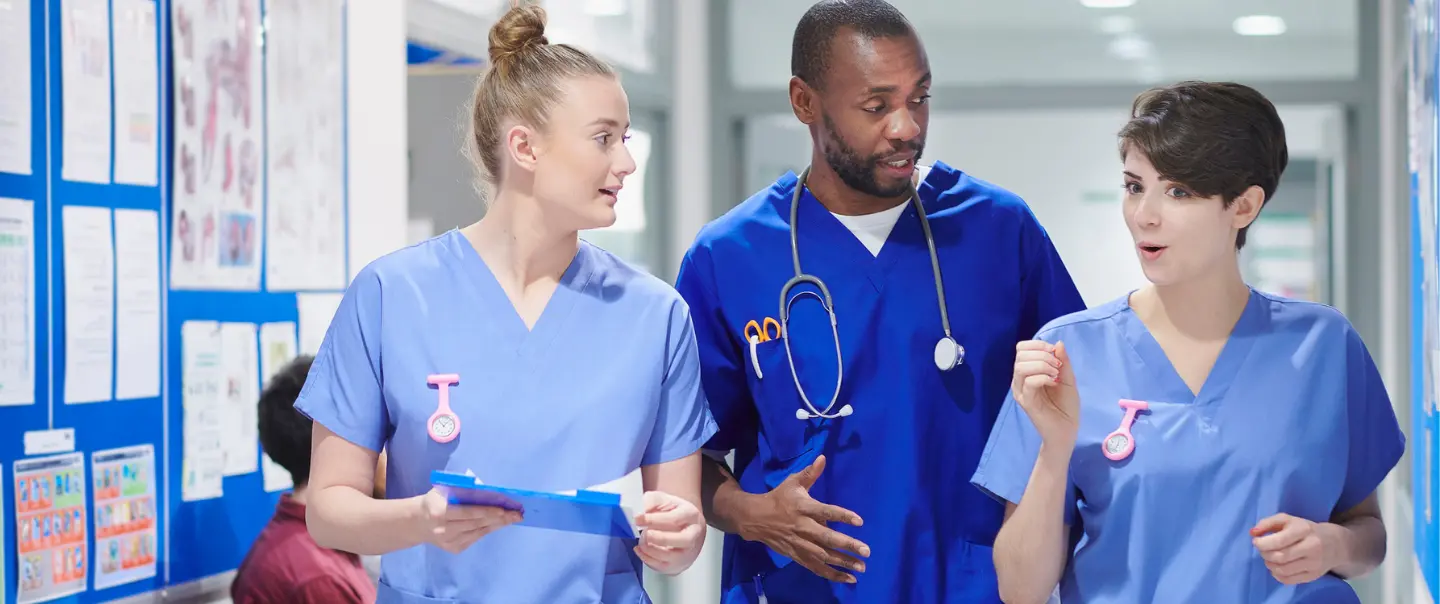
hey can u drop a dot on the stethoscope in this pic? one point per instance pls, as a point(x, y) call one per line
point(948, 352)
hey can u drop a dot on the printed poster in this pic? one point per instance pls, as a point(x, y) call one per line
point(219, 127)
point(125, 512)
point(50, 527)
point(202, 377)
point(305, 90)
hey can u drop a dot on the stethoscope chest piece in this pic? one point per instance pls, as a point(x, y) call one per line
point(949, 354)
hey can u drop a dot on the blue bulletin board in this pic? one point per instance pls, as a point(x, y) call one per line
point(197, 539)
point(1425, 288)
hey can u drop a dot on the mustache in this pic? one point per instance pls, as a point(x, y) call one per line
point(918, 147)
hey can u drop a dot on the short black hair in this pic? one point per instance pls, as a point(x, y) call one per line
point(285, 431)
point(1215, 138)
point(810, 50)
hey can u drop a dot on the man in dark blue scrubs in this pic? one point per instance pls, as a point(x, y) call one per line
point(851, 474)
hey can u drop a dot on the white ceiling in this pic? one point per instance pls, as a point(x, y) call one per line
point(1062, 41)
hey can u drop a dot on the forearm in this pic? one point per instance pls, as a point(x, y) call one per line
point(342, 518)
point(724, 500)
point(1361, 545)
point(1030, 549)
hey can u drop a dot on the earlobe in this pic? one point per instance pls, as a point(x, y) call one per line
point(1249, 205)
point(520, 144)
point(801, 96)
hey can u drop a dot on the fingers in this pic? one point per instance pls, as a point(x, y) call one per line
point(807, 477)
point(682, 538)
point(1040, 345)
point(830, 513)
point(829, 538)
point(1033, 384)
point(1027, 369)
point(1269, 525)
point(456, 541)
point(461, 513)
point(1067, 375)
point(1289, 533)
point(652, 557)
point(675, 516)
point(814, 558)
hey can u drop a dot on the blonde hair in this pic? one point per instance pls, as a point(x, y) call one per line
point(523, 82)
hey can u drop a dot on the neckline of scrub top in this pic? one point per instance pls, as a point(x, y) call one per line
point(508, 325)
point(1222, 373)
point(843, 249)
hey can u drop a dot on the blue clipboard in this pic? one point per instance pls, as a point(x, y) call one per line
point(590, 512)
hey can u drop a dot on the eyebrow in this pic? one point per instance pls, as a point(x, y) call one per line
point(605, 121)
point(924, 80)
point(1133, 175)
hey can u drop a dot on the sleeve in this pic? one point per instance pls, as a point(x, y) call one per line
point(330, 590)
point(1049, 291)
point(1376, 441)
point(343, 389)
point(684, 422)
point(1010, 454)
point(722, 363)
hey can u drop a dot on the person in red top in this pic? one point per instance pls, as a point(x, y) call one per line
point(285, 564)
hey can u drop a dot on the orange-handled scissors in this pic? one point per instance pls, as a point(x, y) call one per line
point(760, 331)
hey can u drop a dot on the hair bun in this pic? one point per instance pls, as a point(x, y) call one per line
point(519, 28)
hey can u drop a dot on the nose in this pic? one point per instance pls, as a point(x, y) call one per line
point(902, 126)
point(1146, 212)
point(624, 163)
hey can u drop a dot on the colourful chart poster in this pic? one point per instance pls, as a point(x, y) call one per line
point(50, 522)
point(124, 515)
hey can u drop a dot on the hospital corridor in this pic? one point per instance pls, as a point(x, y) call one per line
point(719, 301)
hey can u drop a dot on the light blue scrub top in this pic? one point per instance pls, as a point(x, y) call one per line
point(1293, 418)
point(903, 459)
point(607, 381)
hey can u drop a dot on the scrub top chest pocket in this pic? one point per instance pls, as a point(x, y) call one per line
point(776, 399)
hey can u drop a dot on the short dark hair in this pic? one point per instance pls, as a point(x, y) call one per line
point(284, 430)
point(1215, 138)
point(810, 50)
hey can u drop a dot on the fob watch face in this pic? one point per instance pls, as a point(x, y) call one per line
point(1116, 443)
point(443, 426)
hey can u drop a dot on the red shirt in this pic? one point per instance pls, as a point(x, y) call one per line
point(286, 565)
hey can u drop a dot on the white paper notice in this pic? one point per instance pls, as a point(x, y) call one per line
point(305, 109)
point(203, 377)
point(137, 304)
point(136, 92)
point(125, 515)
point(277, 348)
point(15, 116)
point(85, 84)
point(240, 438)
point(277, 478)
point(89, 304)
point(17, 302)
point(219, 163)
point(316, 312)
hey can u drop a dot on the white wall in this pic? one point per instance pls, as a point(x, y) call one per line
point(1063, 163)
point(377, 129)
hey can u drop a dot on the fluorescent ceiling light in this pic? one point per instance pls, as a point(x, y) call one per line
point(1259, 25)
point(1107, 3)
point(1117, 24)
point(1130, 47)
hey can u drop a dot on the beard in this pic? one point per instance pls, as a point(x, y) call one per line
point(858, 172)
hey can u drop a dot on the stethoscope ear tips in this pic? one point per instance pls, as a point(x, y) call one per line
point(846, 411)
point(802, 414)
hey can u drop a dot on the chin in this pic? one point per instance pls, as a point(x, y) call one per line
point(598, 218)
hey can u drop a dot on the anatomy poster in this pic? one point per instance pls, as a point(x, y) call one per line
point(219, 127)
point(306, 182)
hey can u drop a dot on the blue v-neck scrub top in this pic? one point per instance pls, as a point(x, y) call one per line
point(1293, 419)
point(903, 459)
point(607, 381)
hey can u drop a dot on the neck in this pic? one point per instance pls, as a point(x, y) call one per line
point(300, 494)
point(519, 243)
point(839, 198)
point(1205, 308)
